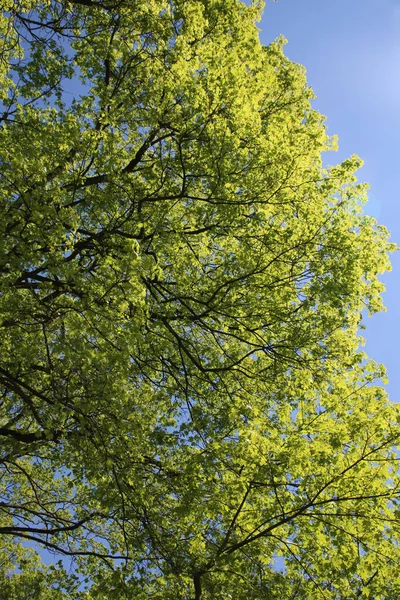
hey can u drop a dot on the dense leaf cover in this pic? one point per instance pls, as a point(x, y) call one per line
point(185, 408)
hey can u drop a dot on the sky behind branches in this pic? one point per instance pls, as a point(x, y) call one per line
point(351, 51)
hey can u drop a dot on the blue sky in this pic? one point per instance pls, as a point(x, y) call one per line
point(351, 51)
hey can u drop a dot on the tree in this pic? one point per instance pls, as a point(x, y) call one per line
point(184, 398)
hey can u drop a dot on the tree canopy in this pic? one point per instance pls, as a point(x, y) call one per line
point(186, 411)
